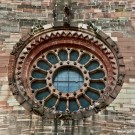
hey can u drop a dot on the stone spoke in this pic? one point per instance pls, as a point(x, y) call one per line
point(94, 90)
point(95, 70)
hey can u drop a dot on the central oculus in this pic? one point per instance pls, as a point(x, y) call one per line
point(68, 79)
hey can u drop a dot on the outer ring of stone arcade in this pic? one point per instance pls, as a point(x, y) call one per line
point(35, 60)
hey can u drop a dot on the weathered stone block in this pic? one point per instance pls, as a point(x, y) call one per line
point(128, 96)
point(126, 109)
point(117, 34)
point(133, 101)
point(120, 101)
point(5, 87)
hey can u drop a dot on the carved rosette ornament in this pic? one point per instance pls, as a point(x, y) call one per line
point(69, 72)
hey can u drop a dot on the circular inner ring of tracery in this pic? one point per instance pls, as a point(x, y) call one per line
point(60, 71)
point(67, 79)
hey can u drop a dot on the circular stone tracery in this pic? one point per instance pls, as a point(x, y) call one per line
point(76, 77)
point(37, 62)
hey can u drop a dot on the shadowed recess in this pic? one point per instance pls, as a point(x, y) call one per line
point(84, 59)
point(52, 58)
point(43, 65)
point(97, 75)
point(51, 102)
point(74, 55)
point(38, 74)
point(42, 95)
point(63, 55)
point(84, 102)
point(73, 105)
point(93, 65)
point(97, 85)
point(92, 95)
point(62, 105)
point(38, 85)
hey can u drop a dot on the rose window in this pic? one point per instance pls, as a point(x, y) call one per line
point(77, 76)
point(72, 73)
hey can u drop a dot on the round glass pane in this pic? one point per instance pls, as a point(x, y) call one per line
point(68, 79)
